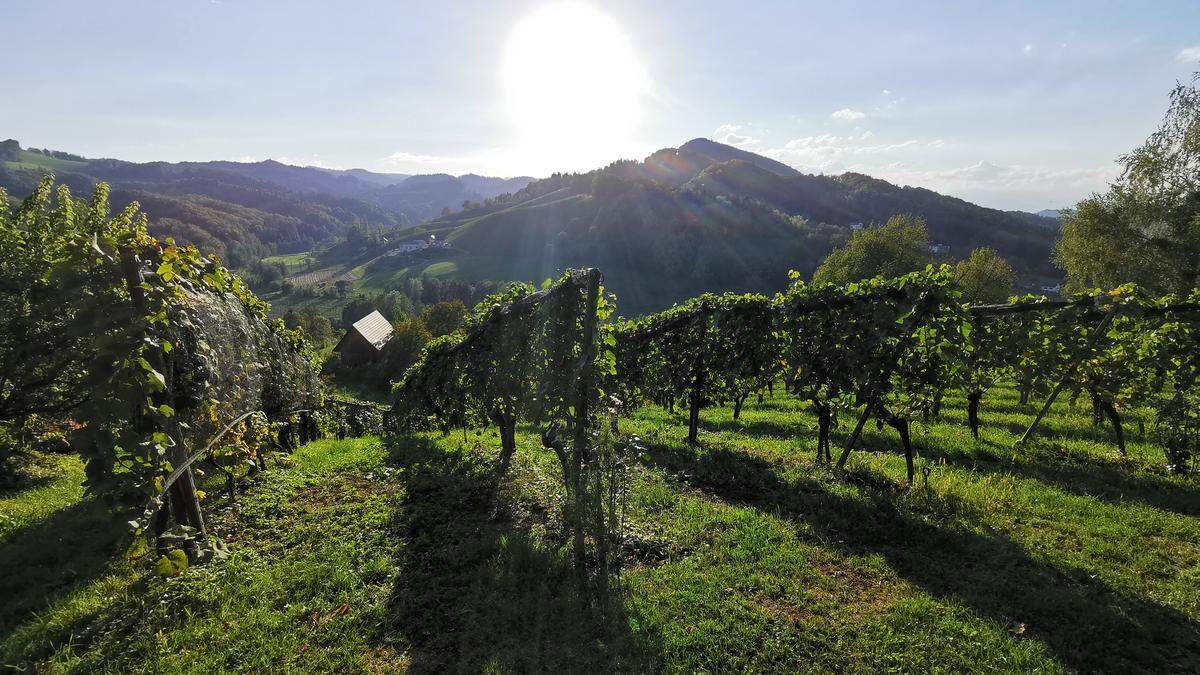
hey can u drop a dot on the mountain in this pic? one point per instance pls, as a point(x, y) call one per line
point(710, 217)
point(244, 211)
point(701, 217)
point(372, 177)
point(1050, 213)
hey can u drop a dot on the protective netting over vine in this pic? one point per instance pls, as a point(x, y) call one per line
point(232, 362)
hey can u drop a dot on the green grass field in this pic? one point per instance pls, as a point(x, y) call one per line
point(740, 555)
point(294, 263)
point(37, 161)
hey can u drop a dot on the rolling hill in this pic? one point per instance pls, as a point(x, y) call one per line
point(244, 211)
point(701, 217)
point(711, 217)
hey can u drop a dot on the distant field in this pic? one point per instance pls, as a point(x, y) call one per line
point(36, 160)
point(293, 262)
point(441, 269)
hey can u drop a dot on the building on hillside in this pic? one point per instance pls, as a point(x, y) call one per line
point(364, 342)
point(936, 248)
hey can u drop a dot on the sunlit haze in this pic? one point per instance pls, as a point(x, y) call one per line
point(573, 88)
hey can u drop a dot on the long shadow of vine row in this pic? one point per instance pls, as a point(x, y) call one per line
point(49, 559)
point(1110, 482)
point(1107, 481)
point(478, 591)
point(1086, 624)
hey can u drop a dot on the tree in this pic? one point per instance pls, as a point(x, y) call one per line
point(1146, 228)
point(10, 151)
point(316, 326)
point(897, 248)
point(443, 318)
point(404, 348)
point(50, 306)
point(985, 277)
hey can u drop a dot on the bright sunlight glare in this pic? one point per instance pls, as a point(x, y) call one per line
point(573, 88)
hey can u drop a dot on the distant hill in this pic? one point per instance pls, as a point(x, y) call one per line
point(707, 216)
point(1050, 213)
point(701, 217)
point(244, 211)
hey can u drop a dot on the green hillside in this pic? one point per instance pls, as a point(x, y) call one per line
point(710, 217)
point(741, 555)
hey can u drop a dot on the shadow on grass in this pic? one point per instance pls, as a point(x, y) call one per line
point(20, 481)
point(1111, 482)
point(1087, 625)
point(799, 425)
point(477, 591)
point(54, 556)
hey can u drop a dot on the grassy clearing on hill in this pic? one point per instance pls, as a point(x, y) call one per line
point(740, 555)
point(38, 161)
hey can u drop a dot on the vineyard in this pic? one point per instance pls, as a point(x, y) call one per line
point(645, 472)
point(883, 349)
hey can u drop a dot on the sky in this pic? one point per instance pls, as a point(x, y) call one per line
point(1015, 105)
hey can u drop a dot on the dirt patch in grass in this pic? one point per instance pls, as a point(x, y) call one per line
point(341, 489)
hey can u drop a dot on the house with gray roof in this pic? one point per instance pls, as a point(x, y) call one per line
point(364, 342)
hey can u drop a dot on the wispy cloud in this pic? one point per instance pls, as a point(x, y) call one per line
point(736, 135)
point(832, 153)
point(398, 158)
point(989, 182)
point(310, 160)
point(1188, 55)
point(1027, 49)
point(848, 114)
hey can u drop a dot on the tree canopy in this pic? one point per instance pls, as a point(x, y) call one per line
point(1146, 228)
point(443, 318)
point(985, 277)
point(898, 247)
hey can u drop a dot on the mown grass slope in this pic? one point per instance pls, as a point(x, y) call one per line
point(741, 554)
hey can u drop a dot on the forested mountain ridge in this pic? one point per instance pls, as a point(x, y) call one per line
point(701, 217)
point(245, 211)
point(711, 217)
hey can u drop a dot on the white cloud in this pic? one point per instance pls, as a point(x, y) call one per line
point(1003, 185)
point(831, 153)
point(1188, 55)
point(311, 160)
point(848, 114)
point(411, 158)
point(889, 105)
point(734, 134)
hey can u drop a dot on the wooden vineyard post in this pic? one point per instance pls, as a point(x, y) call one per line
point(698, 378)
point(583, 396)
point(850, 443)
point(1100, 328)
point(185, 503)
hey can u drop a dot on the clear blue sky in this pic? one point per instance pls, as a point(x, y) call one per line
point(1014, 104)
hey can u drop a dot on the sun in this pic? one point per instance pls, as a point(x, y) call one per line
point(573, 88)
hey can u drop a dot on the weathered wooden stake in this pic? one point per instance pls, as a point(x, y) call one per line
point(1100, 328)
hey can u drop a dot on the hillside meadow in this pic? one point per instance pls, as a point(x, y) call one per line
point(740, 554)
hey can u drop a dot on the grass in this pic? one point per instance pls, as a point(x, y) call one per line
point(441, 269)
point(37, 161)
point(739, 554)
point(292, 262)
